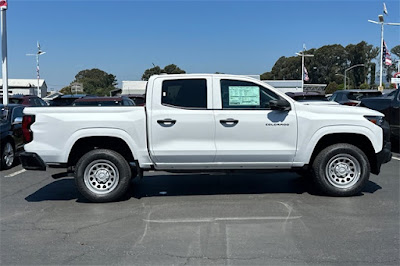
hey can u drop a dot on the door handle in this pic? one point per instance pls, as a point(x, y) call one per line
point(166, 122)
point(229, 122)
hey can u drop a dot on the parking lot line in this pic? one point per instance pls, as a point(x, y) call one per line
point(16, 173)
point(202, 220)
point(398, 159)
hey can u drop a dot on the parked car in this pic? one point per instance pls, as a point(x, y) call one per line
point(104, 101)
point(310, 97)
point(206, 122)
point(26, 100)
point(11, 133)
point(353, 97)
point(388, 105)
point(65, 100)
point(139, 99)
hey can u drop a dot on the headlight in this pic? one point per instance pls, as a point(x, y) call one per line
point(377, 120)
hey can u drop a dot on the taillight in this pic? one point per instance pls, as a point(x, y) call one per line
point(350, 103)
point(27, 121)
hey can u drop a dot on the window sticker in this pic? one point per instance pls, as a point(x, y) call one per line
point(244, 95)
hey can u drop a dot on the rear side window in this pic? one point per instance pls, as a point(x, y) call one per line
point(186, 93)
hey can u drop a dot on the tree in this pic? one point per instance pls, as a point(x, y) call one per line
point(327, 63)
point(150, 72)
point(396, 51)
point(96, 81)
point(66, 90)
point(331, 88)
point(156, 70)
point(173, 69)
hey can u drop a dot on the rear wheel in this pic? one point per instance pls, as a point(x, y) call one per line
point(341, 170)
point(7, 155)
point(102, 175)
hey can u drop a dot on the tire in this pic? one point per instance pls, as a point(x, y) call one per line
point(341, 170)
point(7, 155)
point(303, 173)
point(102, 175)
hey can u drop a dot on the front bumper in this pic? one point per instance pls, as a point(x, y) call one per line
point(385, 155)
point(32, 161)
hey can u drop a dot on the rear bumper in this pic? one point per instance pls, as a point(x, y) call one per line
point(32, 161)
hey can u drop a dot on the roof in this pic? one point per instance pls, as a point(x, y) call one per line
point(11, 105)
point(24, 83)
point(305, 93)
point(343, 91)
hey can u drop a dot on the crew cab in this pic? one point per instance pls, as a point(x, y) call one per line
point(207, 122)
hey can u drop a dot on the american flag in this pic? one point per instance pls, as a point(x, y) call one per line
point(386, 55)
point(3, 4)
point(305, 75)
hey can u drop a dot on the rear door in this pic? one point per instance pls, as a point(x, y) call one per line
point(248, 133)
point(181, 122)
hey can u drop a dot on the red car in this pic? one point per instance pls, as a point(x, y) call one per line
point(25, 100)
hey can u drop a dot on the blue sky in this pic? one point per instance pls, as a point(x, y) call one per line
point(125, 37)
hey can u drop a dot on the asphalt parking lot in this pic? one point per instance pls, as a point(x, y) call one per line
point(220, 219)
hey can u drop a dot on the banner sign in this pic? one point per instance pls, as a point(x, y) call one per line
point(3, 4)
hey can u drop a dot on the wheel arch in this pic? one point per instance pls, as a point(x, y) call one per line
point(359, 140)
point(6, 139)
point(86, 144)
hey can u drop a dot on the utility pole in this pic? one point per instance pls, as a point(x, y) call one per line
point(3, 6)
point(382, 22)
point(302, 54)
point(39, 53)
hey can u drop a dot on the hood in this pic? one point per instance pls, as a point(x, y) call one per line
point(338, 109)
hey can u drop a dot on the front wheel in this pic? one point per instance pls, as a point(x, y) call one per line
point(102, 175)
point(341, 170)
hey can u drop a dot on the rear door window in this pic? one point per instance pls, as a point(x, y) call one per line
point(185, 93)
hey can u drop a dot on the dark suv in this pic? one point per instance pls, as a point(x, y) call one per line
point(353, 97)
point(390, 107)
point(11, 133)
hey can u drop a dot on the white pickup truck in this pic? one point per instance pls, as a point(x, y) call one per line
point(205, 122)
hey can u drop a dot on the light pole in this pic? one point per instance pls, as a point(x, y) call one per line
point(381, 22)
point(302, 54)
point(3, 7)
point(39, 53)
point(345, 72)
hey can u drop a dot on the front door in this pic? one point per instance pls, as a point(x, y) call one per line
point(248, 133)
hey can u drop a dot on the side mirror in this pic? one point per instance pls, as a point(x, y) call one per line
point(281, 105)
point(17, 120)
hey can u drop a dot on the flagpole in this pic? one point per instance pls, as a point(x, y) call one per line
point(4, 56)
point(302, 54)
point(381, 70)
point(302, 71)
